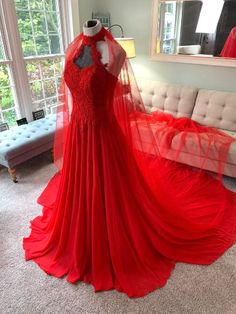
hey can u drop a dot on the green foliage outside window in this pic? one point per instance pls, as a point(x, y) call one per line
point(6, 97)
point(38, 23)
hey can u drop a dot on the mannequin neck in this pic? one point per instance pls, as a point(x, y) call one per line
point(92, 27)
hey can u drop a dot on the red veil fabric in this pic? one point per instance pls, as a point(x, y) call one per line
point(229, 49)
point(123, 217)
point(146, 134)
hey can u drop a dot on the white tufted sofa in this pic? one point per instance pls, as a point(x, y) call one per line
point(208, 107)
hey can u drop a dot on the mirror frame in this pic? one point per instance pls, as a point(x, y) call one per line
point(216, 61)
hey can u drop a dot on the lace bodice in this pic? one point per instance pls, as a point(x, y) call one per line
point(91, 86)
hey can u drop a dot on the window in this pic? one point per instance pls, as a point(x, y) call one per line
point(169, 14)
point(8, 101)
point(33, 38)
point(44, 80)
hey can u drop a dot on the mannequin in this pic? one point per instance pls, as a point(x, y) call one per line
point(91, 28)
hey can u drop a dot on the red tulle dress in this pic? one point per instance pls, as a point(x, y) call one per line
point(229, 49)
point(103, 221)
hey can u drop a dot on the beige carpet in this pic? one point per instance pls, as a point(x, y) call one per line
point(25, 288)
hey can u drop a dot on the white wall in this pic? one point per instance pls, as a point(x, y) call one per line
point(86, 7)
point(135, 17)
point(75, 20)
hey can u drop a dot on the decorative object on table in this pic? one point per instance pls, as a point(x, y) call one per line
point(104, 18)
point(127, 43)
point(189, 50)
point(39, 114)
point(4, 127)
point(22, 121)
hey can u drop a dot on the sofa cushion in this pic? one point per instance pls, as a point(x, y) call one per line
point(217, 109)
point(176, 100)
point(231, 133)
point(191, 146)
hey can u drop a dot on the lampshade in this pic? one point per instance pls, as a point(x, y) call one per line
point(209, 16)
point(128, 45)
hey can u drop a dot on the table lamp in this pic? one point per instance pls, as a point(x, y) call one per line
point(127, 43)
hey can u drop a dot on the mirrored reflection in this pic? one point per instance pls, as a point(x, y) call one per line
point(197, 28)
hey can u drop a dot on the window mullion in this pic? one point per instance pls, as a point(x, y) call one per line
point(33, 32)
point(35, 58)
point(9, 62)
point(46, 24)
point(69, 16)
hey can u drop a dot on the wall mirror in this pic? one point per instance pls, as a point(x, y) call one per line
point(194, 31)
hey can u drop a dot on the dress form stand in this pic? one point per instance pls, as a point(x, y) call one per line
point(114, 65)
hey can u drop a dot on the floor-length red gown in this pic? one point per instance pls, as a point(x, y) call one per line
point(101, 223)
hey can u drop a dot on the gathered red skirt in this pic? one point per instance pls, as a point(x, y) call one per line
point(103, 224)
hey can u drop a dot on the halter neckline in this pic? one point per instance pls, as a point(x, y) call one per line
point(93, 39)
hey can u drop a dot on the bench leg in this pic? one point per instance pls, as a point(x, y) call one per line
point(12, 172)
point(52, 154)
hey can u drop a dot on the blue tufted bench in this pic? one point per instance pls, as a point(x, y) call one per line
point(23, 142)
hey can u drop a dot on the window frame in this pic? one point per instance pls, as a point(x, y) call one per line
point(14, 53)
